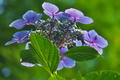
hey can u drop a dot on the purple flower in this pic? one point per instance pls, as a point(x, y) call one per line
point(78, 16)
point(92, 39)
point(65, 61)
point(51, 10)
point(19, 37)
point(29, 17)
point(29, 64)
point(78, 42)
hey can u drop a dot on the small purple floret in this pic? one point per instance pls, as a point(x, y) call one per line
point(78, 16)
point(78, 43)
point(65, 61)
point(19, 37)
point(92, 39)
point(51, 10)
point(29, 17)
point(27, 64)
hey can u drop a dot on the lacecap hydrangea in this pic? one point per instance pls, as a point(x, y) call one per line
point(61, 29)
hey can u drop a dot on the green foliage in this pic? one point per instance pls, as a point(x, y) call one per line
point(79, 76)
point(104, 75)
point(56, 77)
point(45, 52)
point(105, 14)
point(27, 56)
point(82, 53)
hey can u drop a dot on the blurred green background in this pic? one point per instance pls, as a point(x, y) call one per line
point(106, 16)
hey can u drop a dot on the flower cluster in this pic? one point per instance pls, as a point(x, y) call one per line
point(60, 28)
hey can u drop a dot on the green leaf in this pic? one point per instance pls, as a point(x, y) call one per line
point(45, 52)
point(92, 76)
point(82, 53)
point(27, 56)
point(79, 76)
point(104, 75)
point(56, 77)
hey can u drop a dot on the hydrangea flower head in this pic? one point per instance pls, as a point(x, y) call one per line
point(51, 9)
point(78, 16)
point(29, 17)
point(63, 33)
point(65, 61)
point(19, 37)
point(92, 39)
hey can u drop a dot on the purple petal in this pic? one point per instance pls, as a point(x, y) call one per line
point(63, 15)
point(36, 18)
point(69, 63)
point(60, 65)
point(31, 16)
point(39, 64)
point(101, 42)
point(59, 14)
point(22, 36)
point(50, 8)
point(12, 41)
point(86, 36)
point(27, 64)
point(85, 20)
point(78, 43)
point(74, 13)
point(18, 24)
point(27, 46)
point(48, 13)
point(63, 50)
point(92, 34)
point(95, 46)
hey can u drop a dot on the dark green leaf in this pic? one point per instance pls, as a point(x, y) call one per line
point(82, 53)
point(56, 77)
point(27, 56)
point(45, 52)
point(104, 75)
